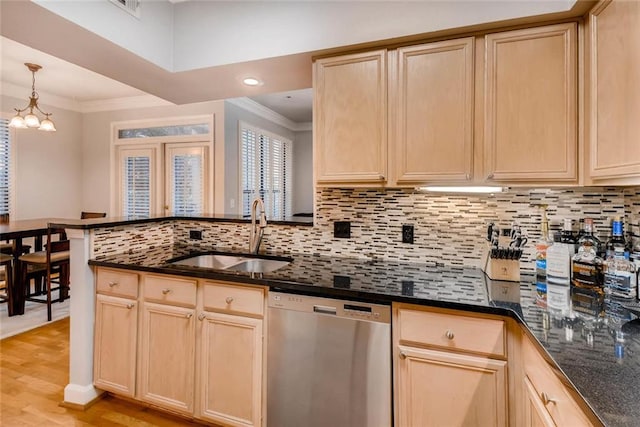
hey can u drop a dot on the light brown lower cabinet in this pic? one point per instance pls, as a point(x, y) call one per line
point(167, 356)
point(535, 414)
point(187, 346)
point(549, 401)
point(231, 369)
point(116, 330)
point(437, 388)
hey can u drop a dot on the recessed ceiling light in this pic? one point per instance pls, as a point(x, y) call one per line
point(251, 81)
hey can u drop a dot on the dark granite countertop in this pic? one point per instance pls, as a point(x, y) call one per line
point(130, 220)
point(581, 344)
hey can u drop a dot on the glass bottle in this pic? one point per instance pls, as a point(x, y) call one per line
point(587, 293)
point(617, 239)
point(541, 259)
point(620, 279)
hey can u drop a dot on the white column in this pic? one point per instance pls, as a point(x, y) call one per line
point(80, 389)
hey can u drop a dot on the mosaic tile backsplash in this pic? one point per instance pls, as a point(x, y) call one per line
point(448, 229)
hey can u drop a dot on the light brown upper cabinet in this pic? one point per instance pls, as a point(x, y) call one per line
point(614, 91)
point(350, 123)
point(432, 113)
point(530, 126)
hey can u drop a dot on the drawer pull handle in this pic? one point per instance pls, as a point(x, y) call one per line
point(403, 355)
point(546, 399)
point(490, 176)
point(202, 316)
point(189, 315)
point(166, 291)
point(449, 334)
point(112, 284)
point(130, 305)
point(229, 300)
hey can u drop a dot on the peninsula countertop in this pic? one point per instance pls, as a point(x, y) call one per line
point(599, 353)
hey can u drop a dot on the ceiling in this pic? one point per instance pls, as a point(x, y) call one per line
point(67, 85)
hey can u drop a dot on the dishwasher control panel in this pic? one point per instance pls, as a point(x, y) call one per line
point(332, 307)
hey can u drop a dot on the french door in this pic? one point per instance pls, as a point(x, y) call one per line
point(163, 178)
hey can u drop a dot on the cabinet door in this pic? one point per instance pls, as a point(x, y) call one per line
point(168, 356)
point(438, 388)
point(434, 121)
point(534, 411)
point(530, 102)
point(114, 363)
point(231, 369)
point(614, 66)
point(350, 123)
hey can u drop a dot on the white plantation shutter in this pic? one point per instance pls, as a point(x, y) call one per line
point(136, 186)
point(266, 171)
point(5, 164)
point(187, 179)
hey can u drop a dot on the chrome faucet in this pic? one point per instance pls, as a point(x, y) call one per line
point(257, 230)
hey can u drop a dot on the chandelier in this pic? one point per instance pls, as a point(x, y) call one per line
point(31, 120)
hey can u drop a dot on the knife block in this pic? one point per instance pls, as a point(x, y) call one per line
point(500, 269)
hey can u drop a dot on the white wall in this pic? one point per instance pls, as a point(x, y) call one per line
point(303, 172)
point(150, 36)
point(209, 33)
point(96, 140)
point(48, 170)
point(199, 34)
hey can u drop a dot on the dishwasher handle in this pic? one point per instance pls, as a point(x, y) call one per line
point(323, 309)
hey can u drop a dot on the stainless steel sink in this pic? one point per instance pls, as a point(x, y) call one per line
point(233, 263)
point(258, 265)
point(216, 262)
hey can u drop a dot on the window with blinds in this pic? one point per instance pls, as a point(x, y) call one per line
point(136, 186)
point(188, 182)
point(5, 165)
point(265, 171)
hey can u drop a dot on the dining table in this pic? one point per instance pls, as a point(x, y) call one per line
point(17, 231)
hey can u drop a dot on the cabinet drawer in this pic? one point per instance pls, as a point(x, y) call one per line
point(555, 397)
point(453, 331)
point(233, 299)
point(117, 283)
point(170, 290)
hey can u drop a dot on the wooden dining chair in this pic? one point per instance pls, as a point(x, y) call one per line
point(88, 215)
point(7, 262)
point(54, 260)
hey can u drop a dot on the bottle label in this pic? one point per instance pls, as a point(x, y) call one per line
point(559, 261)
point(586, 275)
point(617, 228)
point(621, 283)
point(541, 264)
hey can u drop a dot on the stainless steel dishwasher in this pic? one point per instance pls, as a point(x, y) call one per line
point(328, 362)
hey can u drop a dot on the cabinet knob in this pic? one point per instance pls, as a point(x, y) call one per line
point(189, 315)
point(112, 284)
point(546, 399)
point(229, 300)
point(449, 334)
point(490, 176)
point(468, 177)
point(130, 305)
point(166, 291)
point(382, 178)
point(202, 316)
point(403, 355)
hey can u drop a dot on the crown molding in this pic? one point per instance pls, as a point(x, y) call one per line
point(124, 103)
point(258, 109)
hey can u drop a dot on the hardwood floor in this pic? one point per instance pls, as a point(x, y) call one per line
point(34, 369)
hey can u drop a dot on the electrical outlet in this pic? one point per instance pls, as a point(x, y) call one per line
point(407, 288)
point(407, 233)
point(342, 282)
point(342, 229)
point(195, 234)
